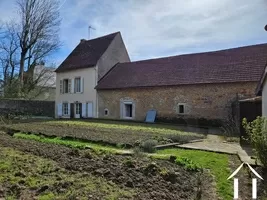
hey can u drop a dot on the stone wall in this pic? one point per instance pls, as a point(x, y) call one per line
point(26, 107)
point(203, 101)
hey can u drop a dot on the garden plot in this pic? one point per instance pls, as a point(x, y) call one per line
point(115, 134)
point(123, 177)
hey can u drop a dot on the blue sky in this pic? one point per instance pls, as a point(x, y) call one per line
point(157, 28)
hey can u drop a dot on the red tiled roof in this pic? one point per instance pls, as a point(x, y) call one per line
point(87, 53)
point(241, 64)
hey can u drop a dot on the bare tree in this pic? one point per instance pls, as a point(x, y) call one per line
point(28, 42)
point(9, 47)
point(39, 28)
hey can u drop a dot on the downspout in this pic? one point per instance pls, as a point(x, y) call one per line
point(96, 80)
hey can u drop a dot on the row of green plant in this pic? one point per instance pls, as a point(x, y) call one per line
point(149, 128)
point(68, 143)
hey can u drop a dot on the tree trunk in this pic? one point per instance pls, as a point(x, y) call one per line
point(21, 72)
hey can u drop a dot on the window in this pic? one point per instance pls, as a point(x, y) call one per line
point(65, 108)
point(77, 85)
point(129, 110)
point(106, 112)
point(66, 86)
point(181, 108)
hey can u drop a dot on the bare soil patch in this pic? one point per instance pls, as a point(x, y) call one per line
point(150, 178)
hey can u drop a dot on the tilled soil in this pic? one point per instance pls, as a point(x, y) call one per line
point(108, 136)
point(152, 179)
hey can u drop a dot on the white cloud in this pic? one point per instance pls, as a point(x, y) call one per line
point(154, 28)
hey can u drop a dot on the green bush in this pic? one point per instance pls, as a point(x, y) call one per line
point(188, 164)
point(257, 135)
point(149, 146)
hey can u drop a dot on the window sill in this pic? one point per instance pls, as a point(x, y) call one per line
point(128, 118)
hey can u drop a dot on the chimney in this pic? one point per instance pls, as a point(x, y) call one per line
point(82, 40)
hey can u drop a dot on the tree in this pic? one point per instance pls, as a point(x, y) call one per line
point(39, 27)
point(29, 41)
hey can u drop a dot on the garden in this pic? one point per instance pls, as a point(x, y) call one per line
point(63, 159)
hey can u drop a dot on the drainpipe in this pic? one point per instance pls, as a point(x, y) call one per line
point(96, 78)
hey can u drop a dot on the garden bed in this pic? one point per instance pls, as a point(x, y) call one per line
point(112, 134)
point(141, 177)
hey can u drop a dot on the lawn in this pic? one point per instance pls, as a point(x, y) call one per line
point(217, 163)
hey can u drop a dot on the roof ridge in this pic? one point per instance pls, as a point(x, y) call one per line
point(200, 53)
point(100, 37)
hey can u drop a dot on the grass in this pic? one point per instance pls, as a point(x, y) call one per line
point(217, 163)
point(148, 128)
point(32, 173)
point(68, 143)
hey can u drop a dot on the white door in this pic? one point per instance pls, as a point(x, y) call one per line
point(77, 110)
point(89, 109)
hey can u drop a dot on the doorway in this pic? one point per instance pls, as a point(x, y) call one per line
point(77, 110)
point(127, 110)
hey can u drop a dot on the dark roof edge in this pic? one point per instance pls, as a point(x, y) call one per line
point(138, 87)
point(106, 74)
point(72, 69)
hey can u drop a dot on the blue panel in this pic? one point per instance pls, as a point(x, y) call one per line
point(151, 116)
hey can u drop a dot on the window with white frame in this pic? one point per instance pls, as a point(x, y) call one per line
point(65, 108)
point(127, 109)
point(77, 84)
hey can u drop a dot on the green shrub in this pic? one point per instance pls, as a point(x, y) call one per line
point(188, 164)
point(149, 146)
point(257, 135)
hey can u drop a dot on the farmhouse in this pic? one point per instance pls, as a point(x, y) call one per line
point(184, 87)
point(79, 73)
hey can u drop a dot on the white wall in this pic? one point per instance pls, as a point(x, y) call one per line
point(89, 83)
point(264, 99)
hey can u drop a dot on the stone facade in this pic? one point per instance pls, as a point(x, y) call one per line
point(207, 101)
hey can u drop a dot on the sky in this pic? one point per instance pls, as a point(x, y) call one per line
point(159, 28)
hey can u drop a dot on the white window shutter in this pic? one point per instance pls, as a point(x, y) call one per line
point(84, 110)
point(61, 86)
point(69, 86)
point(89, 109)
point(59, 110)
point(72, 86)
point(69, 109)
point(82, 83)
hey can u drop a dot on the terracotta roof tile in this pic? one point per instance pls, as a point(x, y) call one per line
point(241, 64)
point(86, 53)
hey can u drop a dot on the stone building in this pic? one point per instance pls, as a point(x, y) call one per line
point(192, 87)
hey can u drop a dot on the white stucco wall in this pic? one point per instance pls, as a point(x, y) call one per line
point(89, 83)
point(264, 99)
